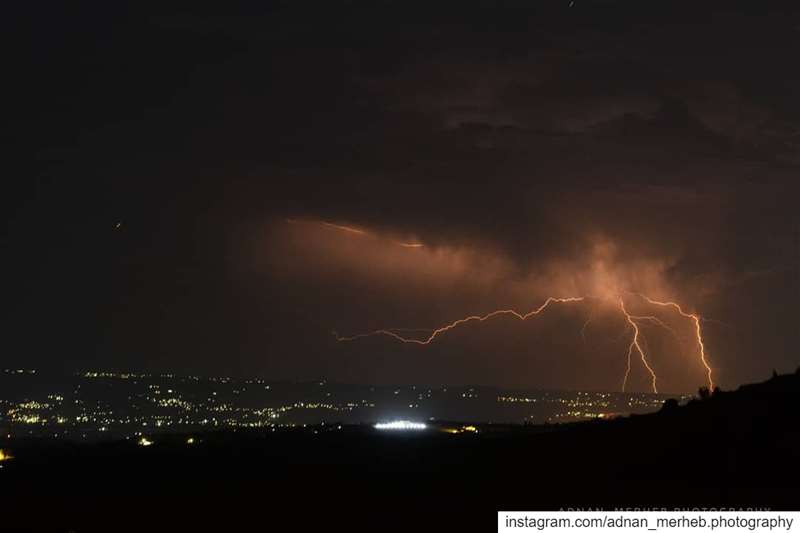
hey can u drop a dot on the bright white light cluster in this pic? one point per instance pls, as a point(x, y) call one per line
point(401, 425)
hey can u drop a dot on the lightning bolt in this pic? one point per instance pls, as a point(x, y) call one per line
point(657, 321)
point(632, 320)
point(635, 344)
point(348, 229)
point(585, 325)
point(460, 321)
point(697, 328)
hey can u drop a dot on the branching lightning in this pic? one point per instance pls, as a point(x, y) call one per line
point(636, 343)
point(658, 322)
point(460, 321)
point(698, 331)
point(607, 294)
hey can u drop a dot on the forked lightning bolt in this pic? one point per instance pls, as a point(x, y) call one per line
point(697, 329)
point(632, 320)
point(635, 344)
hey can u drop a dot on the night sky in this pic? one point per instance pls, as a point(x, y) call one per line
point(215, 192)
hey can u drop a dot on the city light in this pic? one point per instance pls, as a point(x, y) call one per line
point(144, 441)
point(184, 405)
point(401, 425)
point(5, 455)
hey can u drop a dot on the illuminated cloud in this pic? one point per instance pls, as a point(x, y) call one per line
point(599, 271)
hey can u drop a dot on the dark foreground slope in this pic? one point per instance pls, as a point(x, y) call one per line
point(736, 449)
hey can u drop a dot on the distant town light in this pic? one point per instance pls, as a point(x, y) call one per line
point(5, 455)
point(144, 441)
point(400, 425)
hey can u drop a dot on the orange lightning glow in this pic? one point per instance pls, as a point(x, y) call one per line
point(348, 229)
point(583, 328)
point(657, 321)
point(698, 332)
point(448, 327)
point(635, 344)
point(359, 231)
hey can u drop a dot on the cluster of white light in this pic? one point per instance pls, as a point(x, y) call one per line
point(400, 424)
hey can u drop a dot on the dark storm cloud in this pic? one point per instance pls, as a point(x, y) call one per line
point(510, 140)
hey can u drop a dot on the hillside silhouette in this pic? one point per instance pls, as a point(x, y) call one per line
point(726, 449)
